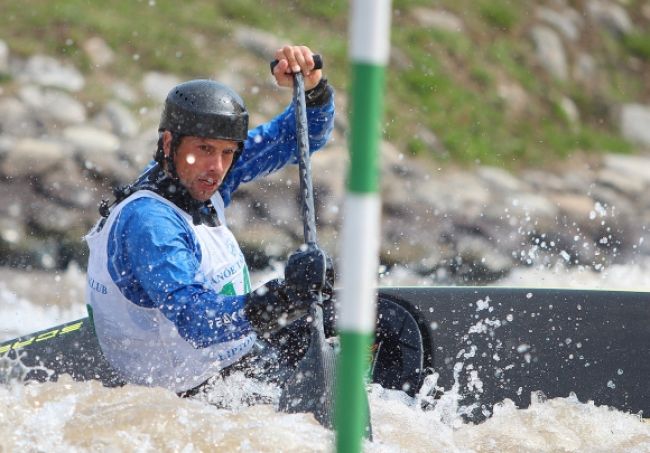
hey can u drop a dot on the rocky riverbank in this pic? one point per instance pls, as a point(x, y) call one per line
point(59, 156)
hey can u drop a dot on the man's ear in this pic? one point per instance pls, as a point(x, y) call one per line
point(167, 142)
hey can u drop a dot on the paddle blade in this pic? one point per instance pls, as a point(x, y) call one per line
point(311, 388)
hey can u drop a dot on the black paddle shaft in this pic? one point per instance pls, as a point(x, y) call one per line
point(303, 155)
point(304, 161)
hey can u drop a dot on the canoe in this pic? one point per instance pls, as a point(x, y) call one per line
point(485, 343)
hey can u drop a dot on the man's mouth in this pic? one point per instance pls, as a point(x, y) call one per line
point(209, 182)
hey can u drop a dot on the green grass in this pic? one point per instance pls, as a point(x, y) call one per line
point(500, 14)
point(442, 81)
point(638, 44)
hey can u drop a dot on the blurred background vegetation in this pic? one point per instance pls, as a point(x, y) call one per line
point(442, 86)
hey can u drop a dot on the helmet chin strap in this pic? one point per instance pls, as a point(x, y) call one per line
point(170, 166)
point(167, 161)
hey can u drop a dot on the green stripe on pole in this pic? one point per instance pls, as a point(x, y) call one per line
point(351, 407)
point(367, 86)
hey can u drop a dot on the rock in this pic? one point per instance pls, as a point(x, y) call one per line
point(618, 218)
point(139, 150)
point(459, 192)
point(570, 110)
point(431, 141)
point(578, 207)
point(261, 43)
point(91, 139)
point(542, 181)
point(12, 210)
point(31, 156)
point(263, 239)
point(411, 234)
point(156, 85)
point(6, 144)
point(501, 180)
point(20, 245)
point(67, 184)
point(628, 184)
point(515, 97)
point(612, 16)
point(4, 57)
point(275, 202)
point(48, 71)
point(50, 218)
point(478, 260)
point(329, 168)
point(99, 53)
point(634, 121)
point(438, 19)
point(584, 70)
point(532, 207)
point(17, 119)
point(117, 119)
point(124, 92)
point(550, 51)
point(634, 167)
point(54, 105)
point(106, 168)
point(566, 21)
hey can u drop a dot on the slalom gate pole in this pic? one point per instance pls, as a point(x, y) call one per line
point(369, 49)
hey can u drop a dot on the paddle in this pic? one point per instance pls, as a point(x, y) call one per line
point(311, 387)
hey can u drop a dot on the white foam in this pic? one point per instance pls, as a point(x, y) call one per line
point(19, 316)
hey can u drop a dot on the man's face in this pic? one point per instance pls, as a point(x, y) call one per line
point(201, 163)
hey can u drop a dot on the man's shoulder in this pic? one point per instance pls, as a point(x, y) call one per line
point(149, 211)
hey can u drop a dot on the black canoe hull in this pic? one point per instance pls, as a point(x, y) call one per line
point(595, 344)
point(495, 343)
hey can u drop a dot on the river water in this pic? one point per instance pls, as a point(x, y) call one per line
point(70, 416)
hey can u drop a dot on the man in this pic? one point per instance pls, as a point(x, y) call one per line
point(169, 289)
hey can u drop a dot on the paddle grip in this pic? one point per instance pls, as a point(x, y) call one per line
point(318, 62)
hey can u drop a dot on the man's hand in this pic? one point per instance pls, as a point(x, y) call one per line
point(292, 59)
point(278, 303)
point(310, 271)
point(273, 306)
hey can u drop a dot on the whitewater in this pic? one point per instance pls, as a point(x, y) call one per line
point(79, 417)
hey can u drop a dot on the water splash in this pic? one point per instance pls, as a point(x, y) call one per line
point(69, 416)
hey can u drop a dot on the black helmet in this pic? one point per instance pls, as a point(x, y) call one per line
point(205, 108)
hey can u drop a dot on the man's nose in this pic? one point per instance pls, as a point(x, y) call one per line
point(217, 163)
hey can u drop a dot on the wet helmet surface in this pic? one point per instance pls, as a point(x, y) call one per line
point(205, 108)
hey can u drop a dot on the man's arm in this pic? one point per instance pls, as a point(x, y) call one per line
point(154, 260)
point(271, 146)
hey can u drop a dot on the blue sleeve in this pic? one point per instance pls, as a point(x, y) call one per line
point(272, 145)
point(154, 259)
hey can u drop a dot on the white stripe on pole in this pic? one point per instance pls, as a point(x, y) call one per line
point(360, 263)
point(369, 34)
